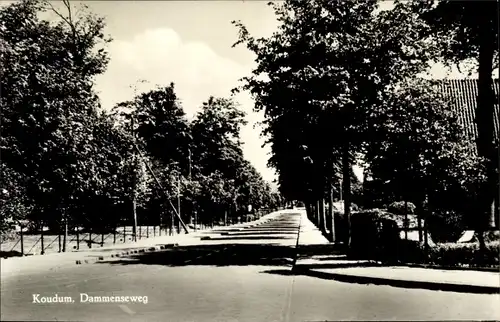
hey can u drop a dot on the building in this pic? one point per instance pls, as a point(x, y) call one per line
point(464, 97)
point(463, 93)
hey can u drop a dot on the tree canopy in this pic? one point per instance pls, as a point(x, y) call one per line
point(65, 158)
point(339, 80)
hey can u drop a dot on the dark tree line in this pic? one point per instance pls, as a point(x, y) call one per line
point(341, 81)
point(66, 160)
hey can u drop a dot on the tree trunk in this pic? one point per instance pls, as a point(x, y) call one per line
point(59, 236)
point(134, 214)
point(406, 220)
point(322, 221)
point(418, 210)
point(485, 126)
point(330, 212)
point(426, 212)
point(308, 209)
point(172, 223)
point(65, 237)
point(346, 175)
point(316, 213)
point(22, 239)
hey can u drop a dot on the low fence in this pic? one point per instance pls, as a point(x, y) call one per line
point(44, 242)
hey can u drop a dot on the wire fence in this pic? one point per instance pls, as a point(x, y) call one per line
point(44, 242)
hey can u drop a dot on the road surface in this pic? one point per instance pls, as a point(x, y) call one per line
point(235, 276)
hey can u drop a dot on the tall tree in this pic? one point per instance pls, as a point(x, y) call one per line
point(329, 67)
point(468, 31)
point(424, 145)
point(48, 100)
point(216, 131)
point(160, 122)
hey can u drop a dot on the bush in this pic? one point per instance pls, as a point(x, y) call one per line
point(398, 208)
point(492, 236)
point(453, 254)
point(373, 235)
point(445, 226)
point(341, 227)
point(411, 251)
point(364, 232)
point(8, 235)
point(450, 254)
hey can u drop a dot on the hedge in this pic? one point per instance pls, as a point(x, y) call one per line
point(373, 235)
point(341, 227)
point(398, 208)
point(445, 226)
point(451, 254)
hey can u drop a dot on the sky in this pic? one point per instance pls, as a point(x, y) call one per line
point(190, 43)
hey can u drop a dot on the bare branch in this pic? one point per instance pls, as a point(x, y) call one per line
point(58, 13)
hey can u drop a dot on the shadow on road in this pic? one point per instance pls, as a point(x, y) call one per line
point(12, 253)
point(366, 280)
point(309, 251)
point(215, 255)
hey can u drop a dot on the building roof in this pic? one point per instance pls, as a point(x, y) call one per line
point(464, 95)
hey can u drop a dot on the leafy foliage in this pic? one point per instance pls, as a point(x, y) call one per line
point(469, 34)
point(401, 208)
point(337, 79)
point(64, 158)
point(446, 226)
point(451, 254)
point(48, 104)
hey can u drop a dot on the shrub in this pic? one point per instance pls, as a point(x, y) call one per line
point(453, 254)
point(373, 235)
point(411, 251)
point(341, 227)
point(364, 232)
point(449, 254)
point(445, 226)
point(400, 220)
point(491, 236)
point(8, 235)
point(398, 208)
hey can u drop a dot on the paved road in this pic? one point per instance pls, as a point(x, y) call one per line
point(235, 276)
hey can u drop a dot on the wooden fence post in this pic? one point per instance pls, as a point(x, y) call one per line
point(22, 241)
point(59, 236)
point(41, 241)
